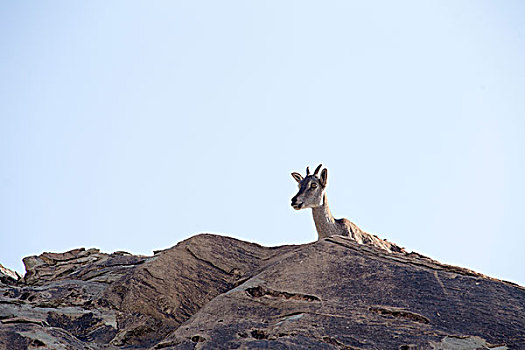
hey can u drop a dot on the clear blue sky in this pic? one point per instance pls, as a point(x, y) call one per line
point(133, 125)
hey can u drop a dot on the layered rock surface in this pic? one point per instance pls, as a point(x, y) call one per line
point(215, 292)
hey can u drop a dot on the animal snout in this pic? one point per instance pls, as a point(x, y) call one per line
point(296, 204)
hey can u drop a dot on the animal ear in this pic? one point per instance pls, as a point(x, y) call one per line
point(298, 177)
point(324, 177)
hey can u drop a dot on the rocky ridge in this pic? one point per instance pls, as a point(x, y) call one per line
point(213, 292)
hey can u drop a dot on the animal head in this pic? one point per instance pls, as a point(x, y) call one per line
point(311, 189)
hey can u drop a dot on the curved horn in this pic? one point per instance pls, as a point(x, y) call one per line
point(307, 170)
point(317, 169)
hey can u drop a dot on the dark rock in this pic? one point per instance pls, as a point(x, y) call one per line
point(214, 292)
point(8, 276)
point(360, 298)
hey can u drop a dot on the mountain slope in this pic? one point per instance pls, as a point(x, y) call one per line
point(212, 292)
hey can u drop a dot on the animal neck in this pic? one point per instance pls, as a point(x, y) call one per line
point(324, 221)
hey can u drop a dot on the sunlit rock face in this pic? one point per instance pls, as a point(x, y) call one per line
point(213, 292)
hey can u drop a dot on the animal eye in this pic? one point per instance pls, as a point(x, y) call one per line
point(314, 185)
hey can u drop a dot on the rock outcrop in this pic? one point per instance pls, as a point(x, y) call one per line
point(8, 276)
point(215, 292)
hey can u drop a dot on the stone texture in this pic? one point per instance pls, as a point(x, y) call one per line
point(337, 294)
point(8, 276)
point(215, 292)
